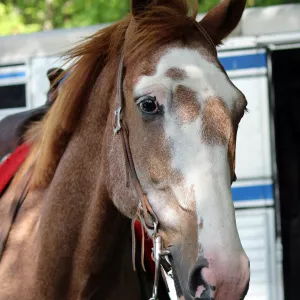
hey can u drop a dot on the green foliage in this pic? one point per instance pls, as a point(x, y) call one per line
point(84, 13)
point(12, 22)
point(22, 16)
point(206, 5)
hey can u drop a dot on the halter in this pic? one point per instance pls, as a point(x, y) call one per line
point(144, 210)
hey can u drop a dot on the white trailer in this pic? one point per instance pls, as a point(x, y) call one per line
point(253, 55)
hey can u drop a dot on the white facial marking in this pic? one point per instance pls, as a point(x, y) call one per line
point(205, 168)
point(203, 76)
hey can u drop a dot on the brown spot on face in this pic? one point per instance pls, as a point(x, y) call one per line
point(201, 224)
point(176, 74)
point(185, 104)
point(216, 122)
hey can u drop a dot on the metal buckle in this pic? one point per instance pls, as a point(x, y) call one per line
point(117, 120)
point(153, 226)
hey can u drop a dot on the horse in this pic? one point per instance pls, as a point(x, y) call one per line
point(144, 127)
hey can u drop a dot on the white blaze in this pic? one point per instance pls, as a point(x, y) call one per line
point(205, 168)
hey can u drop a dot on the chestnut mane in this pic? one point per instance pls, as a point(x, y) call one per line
point(158, 25)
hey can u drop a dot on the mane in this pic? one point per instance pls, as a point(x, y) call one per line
point(158, 25)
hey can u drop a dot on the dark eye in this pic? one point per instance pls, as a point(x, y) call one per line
point(148, 105)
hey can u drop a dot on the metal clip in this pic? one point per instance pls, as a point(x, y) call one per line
point(117, 121)
point(158, 254)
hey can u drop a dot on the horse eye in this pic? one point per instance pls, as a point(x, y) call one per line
point(148, 105)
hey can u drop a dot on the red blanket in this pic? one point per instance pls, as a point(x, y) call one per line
point(11, 165)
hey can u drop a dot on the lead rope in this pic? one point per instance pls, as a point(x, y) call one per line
point(133, 243)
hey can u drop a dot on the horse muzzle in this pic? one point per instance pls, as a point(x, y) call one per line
point(210, 278)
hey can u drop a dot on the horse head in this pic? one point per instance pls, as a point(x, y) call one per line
point(179, 114)
point(182, 113)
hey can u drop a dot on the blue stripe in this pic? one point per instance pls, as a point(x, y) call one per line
point(12, 75)
point(254, 192)
point(249, 61)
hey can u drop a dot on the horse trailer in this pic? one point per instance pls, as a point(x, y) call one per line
point(262, 58)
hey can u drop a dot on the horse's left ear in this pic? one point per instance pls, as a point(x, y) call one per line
point(221, 20)
point(139, 6)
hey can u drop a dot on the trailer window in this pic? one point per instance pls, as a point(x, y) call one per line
point(13, 79)
point(12, 96)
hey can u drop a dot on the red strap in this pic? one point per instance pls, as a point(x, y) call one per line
point(150, 265)
point(11, 165)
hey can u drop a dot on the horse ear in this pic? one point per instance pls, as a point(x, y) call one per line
point(221, 20)
point(53, 74)
point(139, 6)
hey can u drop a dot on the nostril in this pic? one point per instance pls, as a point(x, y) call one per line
point(197, 285)
point(195, 280)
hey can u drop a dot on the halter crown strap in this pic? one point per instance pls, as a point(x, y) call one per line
point(121, 126)
point(206, 35)
point(120, 96)
point(144, 212)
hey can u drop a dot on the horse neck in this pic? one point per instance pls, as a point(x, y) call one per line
point(86, 256)
point(83, 239)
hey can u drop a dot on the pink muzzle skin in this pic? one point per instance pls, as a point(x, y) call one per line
point(211, 279)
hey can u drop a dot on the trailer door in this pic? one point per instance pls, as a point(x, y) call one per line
point(284, 61)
